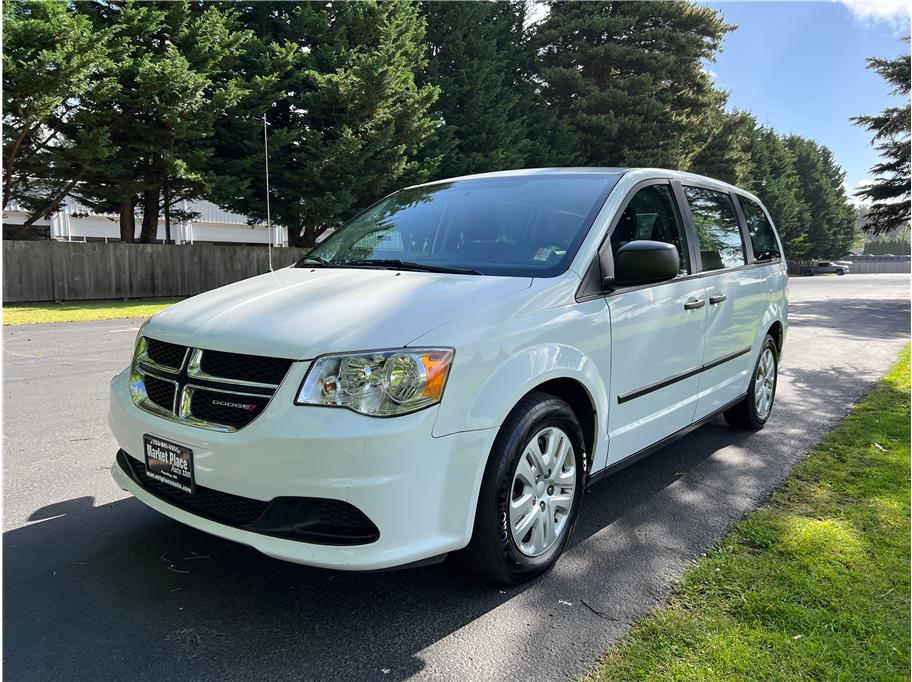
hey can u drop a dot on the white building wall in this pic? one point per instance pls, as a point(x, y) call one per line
point(213, 225)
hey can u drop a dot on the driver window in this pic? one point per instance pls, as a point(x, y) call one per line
point(652, 214)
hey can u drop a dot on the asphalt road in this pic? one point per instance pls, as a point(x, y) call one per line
point(98, 587)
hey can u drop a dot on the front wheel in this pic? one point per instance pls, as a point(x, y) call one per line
point(753, 411)
point(840, 272)
point(531, 491)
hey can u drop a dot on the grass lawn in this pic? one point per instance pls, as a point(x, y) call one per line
point(812, 585)
point(84, 310)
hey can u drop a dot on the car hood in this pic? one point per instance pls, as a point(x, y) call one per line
point(300, 313)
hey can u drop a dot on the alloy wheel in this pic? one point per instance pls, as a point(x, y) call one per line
point(765, 383)
point(543, 491)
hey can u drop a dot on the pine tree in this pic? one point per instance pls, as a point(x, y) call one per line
point(174, 64)
point(891, 190)
point(774, 179)
point(726, 154)
point(51, 58)
point(629, 77)
point(830, 218)
point(474, 57)
point(347, 119)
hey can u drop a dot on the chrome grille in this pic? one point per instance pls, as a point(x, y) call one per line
point(205, 388)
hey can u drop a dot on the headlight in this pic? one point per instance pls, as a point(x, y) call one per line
point(378, 383)
point(139, 336)
point(137, 385)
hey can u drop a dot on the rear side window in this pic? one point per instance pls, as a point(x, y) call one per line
point(717, 228)
point(652, 214)
point(763, 238)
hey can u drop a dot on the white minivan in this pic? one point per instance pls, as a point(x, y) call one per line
point(450, 369)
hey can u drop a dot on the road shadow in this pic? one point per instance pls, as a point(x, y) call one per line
point(855, 318)
point(153, 599)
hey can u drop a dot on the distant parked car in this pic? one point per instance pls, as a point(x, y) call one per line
point(825, 267)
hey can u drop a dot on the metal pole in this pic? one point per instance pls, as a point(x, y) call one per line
point(188, 236)
point(167, 211)
point(268, 215)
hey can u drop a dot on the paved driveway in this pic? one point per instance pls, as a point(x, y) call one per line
point(98, 587)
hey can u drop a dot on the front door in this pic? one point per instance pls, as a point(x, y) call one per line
point(656, 333)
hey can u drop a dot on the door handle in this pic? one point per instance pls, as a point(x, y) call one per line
point(717, 298)
point(694, 303)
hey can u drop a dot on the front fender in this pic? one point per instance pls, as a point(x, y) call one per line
point(487, 403)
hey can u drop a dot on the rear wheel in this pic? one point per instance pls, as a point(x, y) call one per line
point(755, 409)
point(530, 494)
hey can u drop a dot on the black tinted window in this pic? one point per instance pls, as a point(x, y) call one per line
point(652, 214)
point(763, 239)
point(717, 228)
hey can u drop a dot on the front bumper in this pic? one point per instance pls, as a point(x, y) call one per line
point(419, 491)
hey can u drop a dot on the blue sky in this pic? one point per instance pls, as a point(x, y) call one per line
point(800, 68)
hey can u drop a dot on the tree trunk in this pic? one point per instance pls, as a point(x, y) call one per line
point(127, 220)
point(150, 215)
point(8, 166)
point(307, 237)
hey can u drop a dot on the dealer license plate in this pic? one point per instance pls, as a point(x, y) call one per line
point(169, 463)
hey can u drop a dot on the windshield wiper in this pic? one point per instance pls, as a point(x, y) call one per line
point(396, 264)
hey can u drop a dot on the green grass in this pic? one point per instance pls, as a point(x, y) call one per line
point(84, 310)
point(814, 585)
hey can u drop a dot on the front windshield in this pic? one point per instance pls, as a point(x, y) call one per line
point(529, 225)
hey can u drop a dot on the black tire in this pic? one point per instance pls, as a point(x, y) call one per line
point(840, 272)
point(745, 415)
point(492, 551)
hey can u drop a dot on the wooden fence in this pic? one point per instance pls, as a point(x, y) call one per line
point(72, 271)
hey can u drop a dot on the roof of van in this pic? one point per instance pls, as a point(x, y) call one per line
point(594, 170)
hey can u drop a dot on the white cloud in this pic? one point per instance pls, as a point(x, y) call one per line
point(895, 12)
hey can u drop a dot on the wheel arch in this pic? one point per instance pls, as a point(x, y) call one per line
point(777, 331)
point(577, 396)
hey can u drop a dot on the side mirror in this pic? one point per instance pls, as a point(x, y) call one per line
point(644, 262)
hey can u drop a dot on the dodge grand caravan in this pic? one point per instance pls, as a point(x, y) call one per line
point(451, 368)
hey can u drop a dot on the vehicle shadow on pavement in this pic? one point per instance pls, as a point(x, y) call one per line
point(121, 592)
point(855, 318)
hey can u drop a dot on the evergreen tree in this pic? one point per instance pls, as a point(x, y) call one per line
point(891, 190)
point(475, 58)
point(830, 218)
point(629, 77)
point(726, 154)
point(173, 63)
point(347, 119)
point(51, 58)
point(774, 179)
